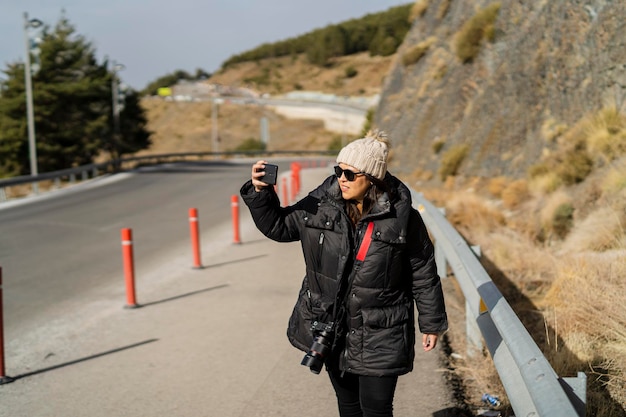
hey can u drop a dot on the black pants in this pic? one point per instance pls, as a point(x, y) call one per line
point(364, 396)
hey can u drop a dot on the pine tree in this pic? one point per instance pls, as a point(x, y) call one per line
point(13, 133)
point(72, 96)
point(133, 135)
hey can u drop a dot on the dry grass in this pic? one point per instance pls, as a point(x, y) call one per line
point(466, 209)
point(551, 130)
point(606, 133)
point(615, 180)
point(515, 193)
point(603, 229)
point(556, 215)
point(496, 186)
point(285, 74)
point(592, 142)
point(570, 294)
point(451, 160)
point(593, 328)
point(187, 127)
point(477, 29)
point(416, 52)
point(418, 10)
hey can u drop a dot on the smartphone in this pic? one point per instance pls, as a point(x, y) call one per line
point(271, 174)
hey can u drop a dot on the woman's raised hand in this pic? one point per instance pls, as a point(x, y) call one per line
point(258, 170)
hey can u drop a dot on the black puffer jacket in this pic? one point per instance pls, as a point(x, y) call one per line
point(372, 301)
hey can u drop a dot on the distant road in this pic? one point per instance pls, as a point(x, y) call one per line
point(57, 249)
point(340, 116)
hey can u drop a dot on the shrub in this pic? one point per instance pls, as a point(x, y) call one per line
point(496, 186)
point(615, 180)
point(335, 144)
point(369, 117)
point(351, 72)
point(478, 28)
point(551, 130)
point(437, 145)
point(514, 194)
point(606, 133)
point(538, 170)
point(546, 183)
point(251, 144)
point(451, 161)
point(603, 229)
point(416, 52)
point(574, 166)
point(563, 219)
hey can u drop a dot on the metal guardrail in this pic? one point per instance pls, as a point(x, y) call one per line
point(85, 172)
point(532, 386)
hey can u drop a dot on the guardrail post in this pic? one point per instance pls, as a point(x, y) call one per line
point(129, 267)
point(195, 237)
point(3, 376)
point(440, 260)
point(473, 335)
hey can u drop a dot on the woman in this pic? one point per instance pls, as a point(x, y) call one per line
point(368, 258)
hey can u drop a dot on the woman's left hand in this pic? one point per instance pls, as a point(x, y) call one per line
point(429, 341)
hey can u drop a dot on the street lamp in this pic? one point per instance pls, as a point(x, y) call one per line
point(28, 24)
point(214, 129)
point(115, 91)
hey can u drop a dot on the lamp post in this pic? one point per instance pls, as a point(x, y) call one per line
point(214, 128)
point(30, 23)
point(116, 104)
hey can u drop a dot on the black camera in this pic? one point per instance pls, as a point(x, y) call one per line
point(323, 335)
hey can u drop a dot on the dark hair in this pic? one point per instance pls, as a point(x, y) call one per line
point(377, 189)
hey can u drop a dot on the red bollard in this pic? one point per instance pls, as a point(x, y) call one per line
point(285, 195)
point(195, 237)
point(292, 187)
point(234, 204)
point(295, 172)
point(129, 267)
point(3, 376)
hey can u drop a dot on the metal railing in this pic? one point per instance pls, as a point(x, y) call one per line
point(85, 172)
point(532, 386)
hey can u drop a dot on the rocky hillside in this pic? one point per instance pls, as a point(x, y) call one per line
point(518, 107)
point(535, 71)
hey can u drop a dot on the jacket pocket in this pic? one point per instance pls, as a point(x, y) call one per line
point(308, 308)
point(320, 245)
point(386, 339)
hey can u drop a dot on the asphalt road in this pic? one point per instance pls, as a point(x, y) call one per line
point(63, 246)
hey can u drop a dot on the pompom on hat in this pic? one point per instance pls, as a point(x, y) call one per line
point(368, 154)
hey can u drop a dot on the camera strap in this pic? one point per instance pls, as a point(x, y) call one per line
point(365, 243)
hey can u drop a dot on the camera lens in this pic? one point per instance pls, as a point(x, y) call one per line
point(313, 362)
point(320, 347)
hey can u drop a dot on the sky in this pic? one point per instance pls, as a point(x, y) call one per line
point(152, 38)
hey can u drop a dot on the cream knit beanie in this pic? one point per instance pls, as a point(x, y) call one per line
point(368, 154)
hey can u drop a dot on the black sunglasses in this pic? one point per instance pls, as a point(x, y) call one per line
point(350, 175)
